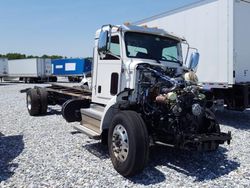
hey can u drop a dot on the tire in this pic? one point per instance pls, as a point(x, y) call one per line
point(70, 79)
point(31, 80)
point(43, 94)
point(212, 127)
point(54, 79)
point(71, 109)
point(79, 79)
point(33, 102)
point(129, 130)
point(104, 137)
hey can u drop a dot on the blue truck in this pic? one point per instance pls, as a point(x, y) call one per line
point(74, 68)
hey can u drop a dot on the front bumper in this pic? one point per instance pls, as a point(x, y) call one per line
point(204, 142)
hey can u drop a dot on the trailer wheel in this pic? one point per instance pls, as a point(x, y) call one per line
point(43, 94)
point(33, 102)
point(54, 79)
point(71, 109)
point(31, 80)
point(79, 79)
point(70, 78)
point(128, 143)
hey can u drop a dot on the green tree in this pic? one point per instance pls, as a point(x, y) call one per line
point(15, 56)
point(89, 58)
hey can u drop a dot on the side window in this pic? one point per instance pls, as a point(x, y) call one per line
point(114, 49)
point(115, 45)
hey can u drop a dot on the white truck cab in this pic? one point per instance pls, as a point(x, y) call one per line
point(142, 94)
point(129, 46)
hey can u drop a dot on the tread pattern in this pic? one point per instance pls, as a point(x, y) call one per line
point(35, 102)
point(43, 94)
point(138, 143)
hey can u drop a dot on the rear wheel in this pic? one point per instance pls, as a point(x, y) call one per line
point(43, 94)
point(33, 102)
point(70, 78)
point(53, 79)
point(71, 109)
point(128, 143)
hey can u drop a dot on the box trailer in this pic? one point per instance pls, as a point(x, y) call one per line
point(74, 68)
point(3, 67)
point(31, 70)
point(220, 30)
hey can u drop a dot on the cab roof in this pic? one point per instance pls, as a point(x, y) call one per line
point(140, 29)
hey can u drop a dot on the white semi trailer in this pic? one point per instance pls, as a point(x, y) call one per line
point(31, 70)
point(220, 30)
point(142, 95)
point(3, 67)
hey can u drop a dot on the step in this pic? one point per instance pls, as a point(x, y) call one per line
point(91, 119)
point(89, 132)
point(91, 123)
point(95, 111)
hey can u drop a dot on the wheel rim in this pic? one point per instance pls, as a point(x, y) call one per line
point(120, 143)
point(28, 102)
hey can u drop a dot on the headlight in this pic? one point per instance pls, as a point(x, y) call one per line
point(196, 109)
point(191, 77)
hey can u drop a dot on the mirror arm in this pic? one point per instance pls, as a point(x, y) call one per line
point(193, 49)
point(187, 51)
point(109, 43)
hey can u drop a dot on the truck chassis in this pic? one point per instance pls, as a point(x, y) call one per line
point(69, 98)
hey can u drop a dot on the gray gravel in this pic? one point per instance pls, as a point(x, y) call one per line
point(46, 152)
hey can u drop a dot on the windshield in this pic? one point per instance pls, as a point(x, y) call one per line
point(148, 46)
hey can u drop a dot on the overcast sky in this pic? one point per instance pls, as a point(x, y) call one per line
point(67, 27)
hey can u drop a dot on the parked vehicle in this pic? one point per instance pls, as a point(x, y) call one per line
point(220, 30)
point(75, 69)
point(31, 70)
point(3, 67)
point(141, 95)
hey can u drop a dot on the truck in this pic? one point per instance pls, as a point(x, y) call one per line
point(74, 68)
point(3, 67)
point(219, 29)
point(142, 95)
point(31, 70)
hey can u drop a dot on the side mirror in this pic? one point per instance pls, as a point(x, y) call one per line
point(103, 42)
point(194, 61)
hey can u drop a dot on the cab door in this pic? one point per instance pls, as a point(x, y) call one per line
point(108, 73)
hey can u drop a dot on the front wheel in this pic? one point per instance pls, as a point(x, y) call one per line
point(128, 143)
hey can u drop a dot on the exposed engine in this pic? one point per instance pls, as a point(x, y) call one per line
point(175, 109)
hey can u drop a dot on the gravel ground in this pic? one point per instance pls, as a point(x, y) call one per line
point(46, 152)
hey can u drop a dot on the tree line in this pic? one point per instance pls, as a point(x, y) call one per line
point(12, 56)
